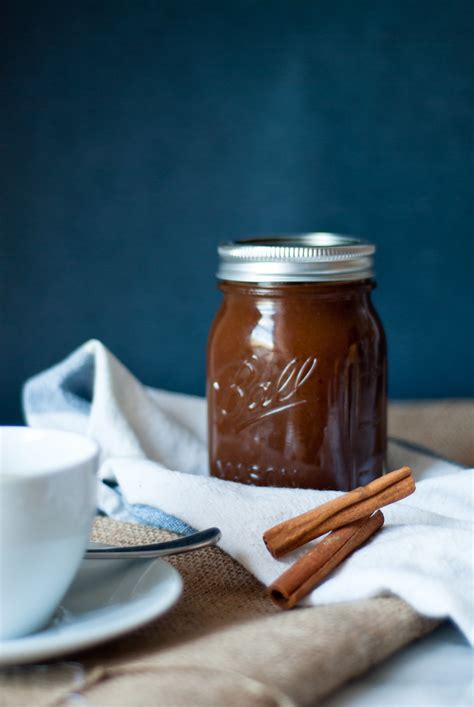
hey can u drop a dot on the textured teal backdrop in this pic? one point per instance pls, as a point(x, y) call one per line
point(136, 135)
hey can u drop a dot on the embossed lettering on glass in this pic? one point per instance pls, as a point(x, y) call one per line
point(297, 364)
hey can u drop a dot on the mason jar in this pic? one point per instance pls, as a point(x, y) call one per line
point(296, 366)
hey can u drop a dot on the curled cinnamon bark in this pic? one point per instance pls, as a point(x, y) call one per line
point(311, 569)
point(344, 510)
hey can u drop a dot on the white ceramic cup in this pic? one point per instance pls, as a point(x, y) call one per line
point(47, 503)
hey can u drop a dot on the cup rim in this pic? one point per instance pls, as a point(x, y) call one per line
point(90, 453)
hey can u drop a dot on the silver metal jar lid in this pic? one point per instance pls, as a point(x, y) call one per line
point(308, 257)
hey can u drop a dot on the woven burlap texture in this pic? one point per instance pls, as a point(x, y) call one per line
point(225, 643)
point(443, 425)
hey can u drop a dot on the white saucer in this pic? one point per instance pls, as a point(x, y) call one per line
point(107, 599)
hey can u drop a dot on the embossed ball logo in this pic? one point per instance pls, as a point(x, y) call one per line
point(261, 387)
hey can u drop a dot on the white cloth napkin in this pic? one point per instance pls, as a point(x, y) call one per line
point(154, 469)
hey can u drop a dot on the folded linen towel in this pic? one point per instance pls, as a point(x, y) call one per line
point(154, 470)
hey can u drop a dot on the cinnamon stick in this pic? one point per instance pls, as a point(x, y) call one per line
point(311, 569)
point(346, 509)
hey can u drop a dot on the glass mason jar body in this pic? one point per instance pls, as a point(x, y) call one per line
point(296, 385)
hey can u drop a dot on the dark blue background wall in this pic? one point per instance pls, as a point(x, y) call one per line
point(136, 135)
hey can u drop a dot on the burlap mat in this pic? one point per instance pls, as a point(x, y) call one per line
point(442, 425)
point(225, 643)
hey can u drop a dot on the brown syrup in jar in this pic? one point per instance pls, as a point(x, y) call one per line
point(297, 385)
